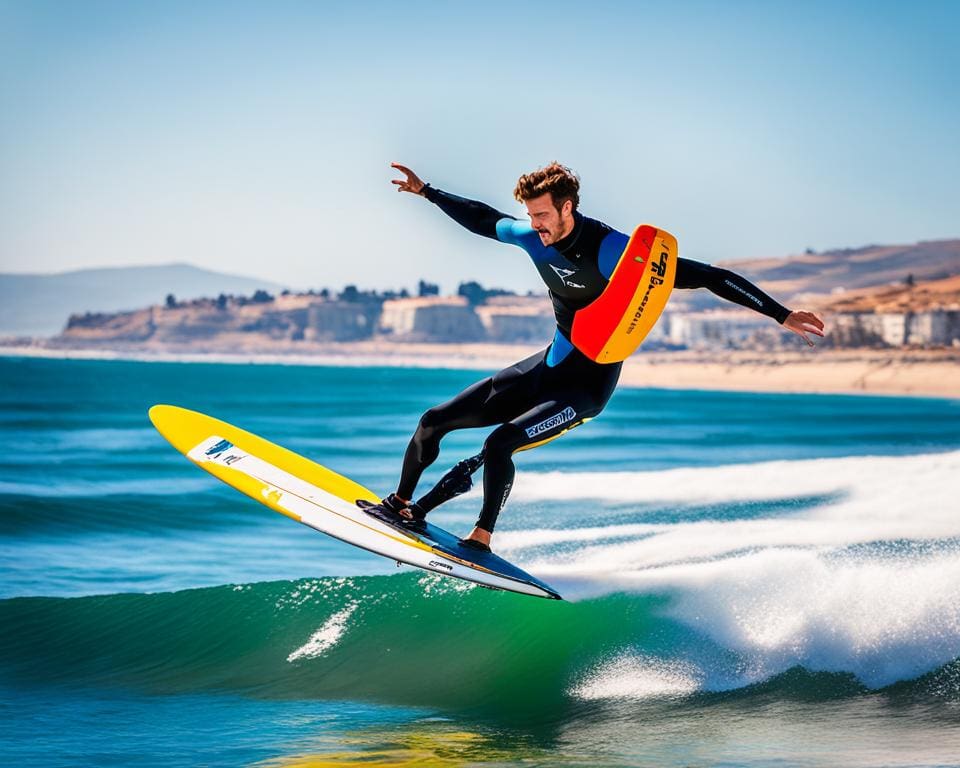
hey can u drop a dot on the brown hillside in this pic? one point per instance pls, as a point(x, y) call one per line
point(853, 268)
point(923, 296)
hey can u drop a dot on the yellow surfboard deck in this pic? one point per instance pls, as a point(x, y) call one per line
point(185, 429)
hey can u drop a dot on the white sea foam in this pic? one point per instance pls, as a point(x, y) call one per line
point(326, 637)
point(739, 482)
point(884, 620)
point(636, 677)
point(864, 581)
point(869, 499)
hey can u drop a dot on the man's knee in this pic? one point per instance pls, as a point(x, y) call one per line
point(502, 442)
point(431, 423)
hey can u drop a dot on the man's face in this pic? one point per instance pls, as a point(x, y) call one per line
point(552, 225)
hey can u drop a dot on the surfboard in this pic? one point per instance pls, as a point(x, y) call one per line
point(612, 326)
point(326, 501)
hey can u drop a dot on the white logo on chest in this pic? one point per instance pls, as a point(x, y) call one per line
point(563, 274)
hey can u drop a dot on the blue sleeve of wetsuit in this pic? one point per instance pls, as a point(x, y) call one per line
point(478, 217)
point(728, 285)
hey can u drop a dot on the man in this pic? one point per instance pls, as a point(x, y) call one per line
point(557, 389)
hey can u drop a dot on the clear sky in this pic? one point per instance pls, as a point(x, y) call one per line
point(255, 138)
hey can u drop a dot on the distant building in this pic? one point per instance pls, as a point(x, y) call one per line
point(448, 319)
point(709, 329)
point(855, 329)
point(513, 319)
point(936, 327)
point(341, 321)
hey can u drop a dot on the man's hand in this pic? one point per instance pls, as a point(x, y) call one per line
point(802, 323)
point(411, 184)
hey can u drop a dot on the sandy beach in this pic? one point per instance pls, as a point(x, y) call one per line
point(928, 373)
point(931, 373)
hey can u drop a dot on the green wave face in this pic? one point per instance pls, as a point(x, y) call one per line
point(406, 639)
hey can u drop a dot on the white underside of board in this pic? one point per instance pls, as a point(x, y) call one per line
point(336, 517)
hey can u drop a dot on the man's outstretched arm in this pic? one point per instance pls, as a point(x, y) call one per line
point(478, 217)
point(733, 287)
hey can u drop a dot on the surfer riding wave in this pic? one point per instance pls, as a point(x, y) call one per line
point(540, 398)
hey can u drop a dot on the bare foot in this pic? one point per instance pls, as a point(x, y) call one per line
point(479, 534)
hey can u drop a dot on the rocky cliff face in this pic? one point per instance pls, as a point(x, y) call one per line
point(191, 323)
point(119, 326)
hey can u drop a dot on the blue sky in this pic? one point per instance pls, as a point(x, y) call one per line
point(255, 138)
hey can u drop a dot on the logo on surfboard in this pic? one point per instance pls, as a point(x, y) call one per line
point(216, 451)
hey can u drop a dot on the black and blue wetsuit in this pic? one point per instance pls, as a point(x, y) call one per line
point(558, 388)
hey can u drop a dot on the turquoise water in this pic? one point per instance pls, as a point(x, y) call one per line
point(752, 579)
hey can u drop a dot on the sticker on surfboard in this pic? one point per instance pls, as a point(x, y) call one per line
point(612, 327)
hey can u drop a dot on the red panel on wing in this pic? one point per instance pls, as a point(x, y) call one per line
point(594, 324)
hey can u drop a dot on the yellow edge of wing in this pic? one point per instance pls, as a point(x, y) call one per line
point(622, 344)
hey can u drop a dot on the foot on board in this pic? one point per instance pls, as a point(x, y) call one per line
point(394, 511)
point(479, 546)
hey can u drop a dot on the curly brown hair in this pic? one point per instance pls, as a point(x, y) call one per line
point(562, 184)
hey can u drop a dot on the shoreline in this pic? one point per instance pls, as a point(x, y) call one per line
point(903, 372)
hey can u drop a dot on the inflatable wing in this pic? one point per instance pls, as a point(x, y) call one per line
point(611, 328)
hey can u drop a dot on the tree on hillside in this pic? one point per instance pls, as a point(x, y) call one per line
point(171, 301)
point(473, 292)
point(476, 294)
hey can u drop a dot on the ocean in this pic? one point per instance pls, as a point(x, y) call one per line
point(750, 580)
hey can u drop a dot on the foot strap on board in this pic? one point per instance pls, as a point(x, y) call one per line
point(457, 481)
point(390, 510)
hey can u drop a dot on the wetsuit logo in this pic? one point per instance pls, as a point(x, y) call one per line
point(567, 414)
point(563, 274)
point(750, 296)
